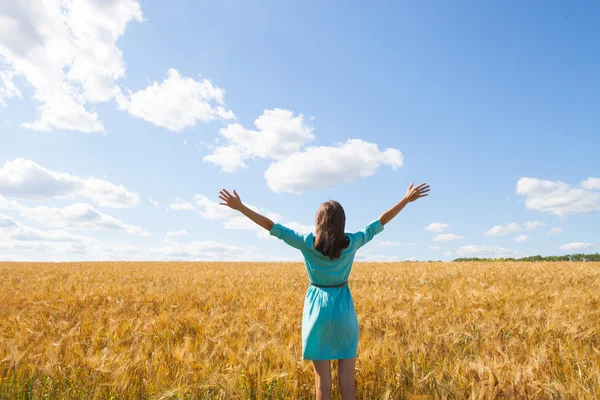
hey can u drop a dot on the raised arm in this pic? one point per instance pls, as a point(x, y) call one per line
point(235, 203)
point(412, 194)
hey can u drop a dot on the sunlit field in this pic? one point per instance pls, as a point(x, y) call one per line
point(232, 330)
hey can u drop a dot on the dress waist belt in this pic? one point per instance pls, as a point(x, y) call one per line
point(326, 286)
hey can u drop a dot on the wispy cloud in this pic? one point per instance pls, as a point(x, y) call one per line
point(24, 179)
point(179, 232)
point(437, 227)
point(394, 244)
point(486, 251)
point(576, 246)
point(445, 237)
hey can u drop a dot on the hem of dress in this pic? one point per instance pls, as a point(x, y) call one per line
point(340, 357)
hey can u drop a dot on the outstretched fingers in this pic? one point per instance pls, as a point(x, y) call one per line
point(225, 196)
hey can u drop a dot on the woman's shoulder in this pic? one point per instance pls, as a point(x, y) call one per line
point(351, 238)
point(309, 239)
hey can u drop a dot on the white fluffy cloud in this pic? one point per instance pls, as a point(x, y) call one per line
point(7, 222)
point(486, 251)
point(181, 205)
point(74, 216)
point(499, 230)
point(445, 237)
point(212, 210)
point(279, 134)
point(323, 167)
point(591, 184)
point(27, 235)
point(7, 87)
point(531, 225)
point(554, 231)
point(559, 198)
point(230, 158)
point(522, 238)
point(25, 179)
point(67, 52)
point(79, 216)
point(576, 246)
point(513, 227)
point(437, 227)
point(178, 102)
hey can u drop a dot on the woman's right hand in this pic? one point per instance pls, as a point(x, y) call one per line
point(414, 193)
point(230, 201)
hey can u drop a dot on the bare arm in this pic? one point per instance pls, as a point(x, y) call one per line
point(235, 203)
point(412, 194)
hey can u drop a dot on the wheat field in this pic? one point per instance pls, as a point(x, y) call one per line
point(232, 330)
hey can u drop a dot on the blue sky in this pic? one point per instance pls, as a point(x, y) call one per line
point(105, 106)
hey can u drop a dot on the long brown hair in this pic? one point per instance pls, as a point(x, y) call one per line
point(331, 238)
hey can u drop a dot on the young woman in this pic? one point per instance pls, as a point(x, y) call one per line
point(329, 323)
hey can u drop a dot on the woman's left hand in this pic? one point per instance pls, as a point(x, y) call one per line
point(414, 193)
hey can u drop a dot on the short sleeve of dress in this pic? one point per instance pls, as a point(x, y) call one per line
point(289, 236)
point(364, 236)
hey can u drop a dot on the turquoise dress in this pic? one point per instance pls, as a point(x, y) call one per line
point(329, 323)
